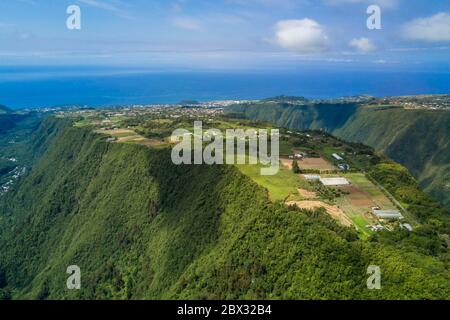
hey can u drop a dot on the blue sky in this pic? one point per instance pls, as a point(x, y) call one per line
point(227, 34)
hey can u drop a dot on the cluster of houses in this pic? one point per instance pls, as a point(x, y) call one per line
point(383, 215)
point(378, 227)
point(341, 166)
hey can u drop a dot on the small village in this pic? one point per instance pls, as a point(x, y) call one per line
point(428, 102)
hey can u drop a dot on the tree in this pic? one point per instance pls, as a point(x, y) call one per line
point(5, 294)
point(2, 279)
point(295, 167)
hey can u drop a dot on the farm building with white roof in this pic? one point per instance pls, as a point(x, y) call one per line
point(311, 177)
point(387, 214)
point(339, 181)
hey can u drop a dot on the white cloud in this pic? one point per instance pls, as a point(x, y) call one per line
point(363, 45)
point(114, 6)
point(302, 36)
point(433, 29)
point(187, 23)
point(100, 5)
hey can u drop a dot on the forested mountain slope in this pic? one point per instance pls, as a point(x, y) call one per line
point(4, 109)
point(8, 121)
point(140, 227)
point(301, 116)
point(418, 139)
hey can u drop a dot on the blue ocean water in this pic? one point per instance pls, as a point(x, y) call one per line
point(41, 87)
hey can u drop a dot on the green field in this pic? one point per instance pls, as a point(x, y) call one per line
point(361, 224)
point(279, 186)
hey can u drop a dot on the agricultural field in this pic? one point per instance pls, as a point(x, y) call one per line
point(351, 204)
point(282, 186)
point(316, 164)
point(319, 164)
point(334, 211)
point(365, 193)
point(359, 199)
point(130, 136)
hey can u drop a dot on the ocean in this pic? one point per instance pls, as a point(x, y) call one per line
point(32, 87)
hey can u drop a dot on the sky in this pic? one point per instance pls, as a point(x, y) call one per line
point(227, 34)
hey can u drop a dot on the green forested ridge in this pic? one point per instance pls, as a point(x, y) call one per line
point(15, 141)
point(4, 109)
point(301, 116)
point(9, 121)
point(418, 139)
point(140, 227)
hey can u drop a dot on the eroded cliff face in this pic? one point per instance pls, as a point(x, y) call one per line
point(418, 139)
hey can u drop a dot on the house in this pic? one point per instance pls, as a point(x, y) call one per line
point(406, 226)
point(311, 177)
point(337, 157)
point(343, 167)
point(339, 181)
point(375, 227)
point(387, 214)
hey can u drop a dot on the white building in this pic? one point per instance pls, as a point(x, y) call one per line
point(406, 226)
point(387, 214)
point(311, 177)
point(339, 181)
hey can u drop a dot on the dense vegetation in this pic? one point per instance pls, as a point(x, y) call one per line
point(15, 144)
point(298, 116)
point(4, 109)
point(140, 227)
point(431, 237)
point(418, 139)
point(9, 121)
